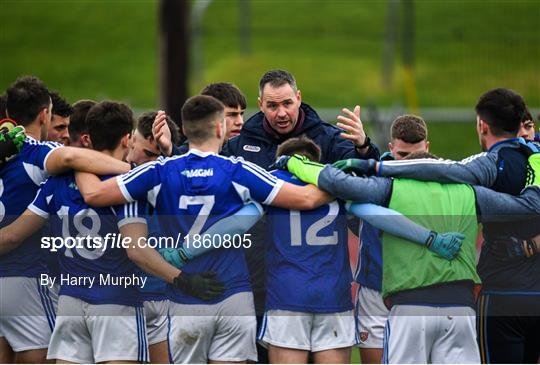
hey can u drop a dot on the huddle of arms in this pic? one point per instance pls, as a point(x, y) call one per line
point(511, 247)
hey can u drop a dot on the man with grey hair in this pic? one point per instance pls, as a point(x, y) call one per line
point(283, 115)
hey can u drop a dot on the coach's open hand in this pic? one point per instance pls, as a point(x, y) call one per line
point(359, 167)
point(446, 245)
point(352, 125)
point(204, 286)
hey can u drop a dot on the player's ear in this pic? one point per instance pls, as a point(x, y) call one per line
point(299, 96)
point(391, 147)
point(483, 127)
point(427, 146)
point(125, 140)
point(85, 140)
point(259, 102)
point(220, 128)
point(42, 116)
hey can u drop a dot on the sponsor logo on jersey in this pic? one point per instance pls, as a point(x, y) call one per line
point(249, 148)
point(198, 173)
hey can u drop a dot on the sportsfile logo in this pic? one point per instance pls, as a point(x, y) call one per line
point(198, 173)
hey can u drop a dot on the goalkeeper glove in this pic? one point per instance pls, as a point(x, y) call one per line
point(177, 257)
point(446, 245)
point(359, 167)
point(11, 143)
point(204, 286)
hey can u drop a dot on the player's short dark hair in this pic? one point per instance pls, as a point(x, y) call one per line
point(145, 122)
point(60, 106)
point(527, 116)
point(409, 128)
point(300, 145)
point(227, 93)
point(198, 115)
point(108, 122)
point(77, 120)
point(3, 100)
point(420, 154)
point(277, 78)
point(503, 110)
point(26, 98)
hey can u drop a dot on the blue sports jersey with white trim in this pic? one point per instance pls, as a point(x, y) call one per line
point(19, 181)
point(369, 267)
point(307, 259)
point(60, 201)
point(190, 193)
point(155, 288)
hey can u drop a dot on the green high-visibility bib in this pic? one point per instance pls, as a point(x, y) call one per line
point(441, 208)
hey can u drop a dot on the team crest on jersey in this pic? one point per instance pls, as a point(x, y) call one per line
point(198, 173)
point(364, 336)
point(249, 148)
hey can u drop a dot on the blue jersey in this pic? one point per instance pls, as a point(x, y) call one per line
point(307, 261)
point(19, 181)
point(108, 265)
point(193, 191)
point(369, 268)
point(155, 288)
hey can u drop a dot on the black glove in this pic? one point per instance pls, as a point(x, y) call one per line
point(511, 248)
point(204, 285)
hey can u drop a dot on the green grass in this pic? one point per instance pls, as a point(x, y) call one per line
point(109, 49)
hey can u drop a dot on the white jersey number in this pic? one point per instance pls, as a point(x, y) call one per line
point(312, 237)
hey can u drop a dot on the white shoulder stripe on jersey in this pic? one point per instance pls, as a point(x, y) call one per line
point(274, 192)
point(123, 189)
point(129, 176)
point(260, 169)
point(131, 220)
point(271, 182)
point(38, 211)
point(430, 161)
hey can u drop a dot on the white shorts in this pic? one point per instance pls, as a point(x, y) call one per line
point(220, 332)
point(422, 334)
point(92, 333)
point(27, 313)
point(307, 331)
point(370, 315)
point(156, 320)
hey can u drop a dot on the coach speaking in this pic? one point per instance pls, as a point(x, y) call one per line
point(282, 116)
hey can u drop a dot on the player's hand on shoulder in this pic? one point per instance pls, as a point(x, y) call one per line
point(357, 166)
point(280, 163)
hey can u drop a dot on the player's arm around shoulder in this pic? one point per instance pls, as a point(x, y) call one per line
point(144, 256)
point(296, 197)
point(98, 193)
point(63, 159)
